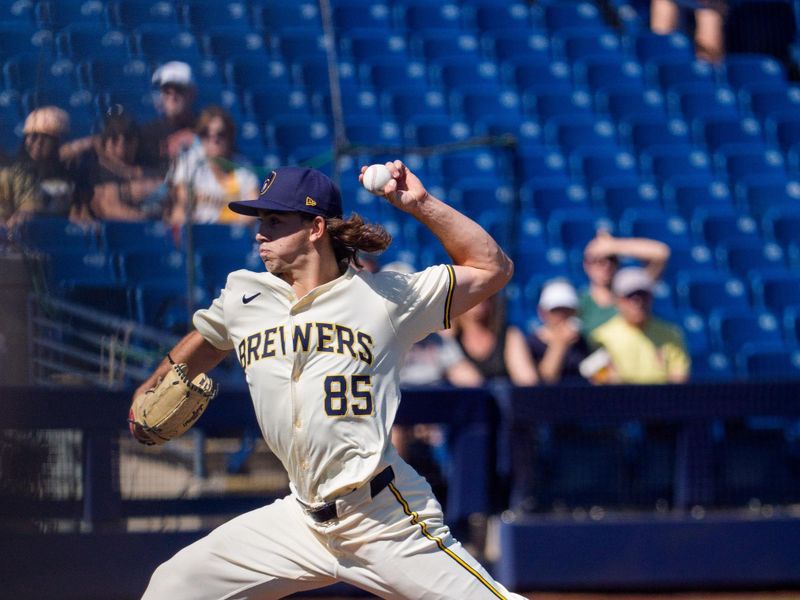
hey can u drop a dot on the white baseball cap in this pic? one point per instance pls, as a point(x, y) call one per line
point(558, 294)
point(630, 280)
point(173, 73)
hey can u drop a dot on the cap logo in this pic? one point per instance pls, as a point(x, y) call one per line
point(268, 182)
point(310, 201)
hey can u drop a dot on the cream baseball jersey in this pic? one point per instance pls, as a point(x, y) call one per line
point(323, 369)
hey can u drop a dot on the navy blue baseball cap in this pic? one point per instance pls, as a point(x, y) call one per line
point(294, 189)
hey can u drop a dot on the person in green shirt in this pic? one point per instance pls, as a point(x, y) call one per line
point(601, 259)
point(642, 348)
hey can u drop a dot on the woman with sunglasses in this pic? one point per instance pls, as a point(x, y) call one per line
point(211, 178)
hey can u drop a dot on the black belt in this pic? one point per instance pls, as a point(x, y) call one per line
point(327, 512)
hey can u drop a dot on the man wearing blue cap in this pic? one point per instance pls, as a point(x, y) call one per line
point(322, 344)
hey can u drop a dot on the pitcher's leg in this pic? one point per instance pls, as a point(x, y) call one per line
point(403, 549)
point(266, 553)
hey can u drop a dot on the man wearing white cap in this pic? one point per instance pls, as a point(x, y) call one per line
point(643, 348)
point(557, 345)
point(165, 137)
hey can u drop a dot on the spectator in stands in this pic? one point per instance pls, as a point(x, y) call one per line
point(38, 181)
point(164, 138)
point(211, 178)
point(666, 16)
point(601, 259)
point(557, 346)
point(642, 348)
point(499, 351)
point(123, 190)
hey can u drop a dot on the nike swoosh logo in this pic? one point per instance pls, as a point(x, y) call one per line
point(248, 300)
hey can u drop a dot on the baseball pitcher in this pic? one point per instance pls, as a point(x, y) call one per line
point(321, 344)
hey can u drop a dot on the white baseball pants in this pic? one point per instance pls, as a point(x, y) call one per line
point(394, 545)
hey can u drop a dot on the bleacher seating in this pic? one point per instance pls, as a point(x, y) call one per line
point(616, 127)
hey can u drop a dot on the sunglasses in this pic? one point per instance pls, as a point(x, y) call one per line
point(39, 136)
point(640, 295)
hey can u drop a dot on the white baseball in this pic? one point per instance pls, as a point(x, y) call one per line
point(375, 178)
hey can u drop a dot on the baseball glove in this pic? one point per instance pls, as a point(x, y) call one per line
point(169, 409)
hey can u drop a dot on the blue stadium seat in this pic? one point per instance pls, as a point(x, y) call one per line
point(155, 42)
point(80, 41)
point(747, 258)
point(121, 237)
point(140, 267)
point(706, 291)
point(791, 324)
point(757, 195)
point(276, 16)
point(271, 101)
point(505, 18)
point(657, 224)
point(711, 367)
point(69, 268)
point(363, 131)
point(543, 199)
point(537, 162)
point(435, 45)
point(73, 101)
point(685, 194)
point(136, 101)
point(616, 195)
point(419, 17)
point(473, 103)
point(21, 38)
point(240, 72)
point(720, 225)
point(648, 46)
point(406, 104)
point(716, 132)
point(57, 14)
point(356, 101)
point(363, 45)
point(478, 163)
point(562, 15)
point(777, 292)
point(431, 130)
point(579, 44)
point(292, 132)
point(770, 99)
point(523, 131)
point(783, 128)
point(478, 195)
point(732, 328)
point(665, 162)
point(695, 331)
point(574, 229)
point(747, 160)
point(631, 102)
point(204, 15)
point(596, 165)
point(33, 70)
point(601, 72)
point(558, 103)
point(130, 14)
point(53, 234)
point(644, 132)
point(572, 132)
point(459, 73)
point(505, 44)
point(394, 74)
point(375, 16)
point(744, 70)
point(224, 43)
point(769, 361)
point(109, 74)
point(782, 225)
point(532, 73)
point(537, 265)
point(19, 11)
point(220, 238)
point(294, 45)
point(693, 101)
point(314, 75)
point(113, 299)
point(671, 73)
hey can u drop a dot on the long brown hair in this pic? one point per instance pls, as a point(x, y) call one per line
point(353, 234)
